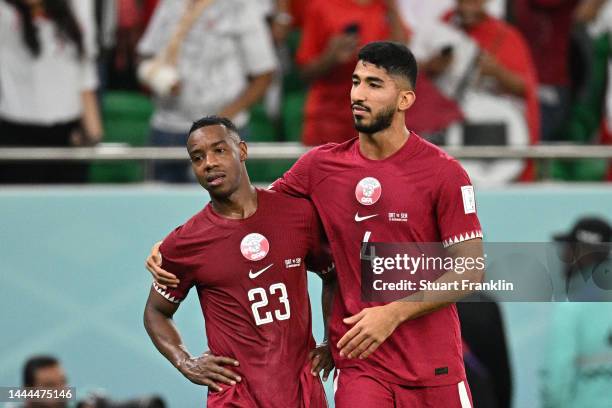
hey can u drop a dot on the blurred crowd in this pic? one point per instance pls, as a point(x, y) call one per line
point(492, 73)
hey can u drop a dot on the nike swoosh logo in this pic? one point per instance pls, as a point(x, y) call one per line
point(367, 217)
point(253, 275)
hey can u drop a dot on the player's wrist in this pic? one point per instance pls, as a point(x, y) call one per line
point(182, 363)
point(400, 311)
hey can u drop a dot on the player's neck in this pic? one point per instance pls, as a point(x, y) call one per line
point(380, 145)
point(239, 205)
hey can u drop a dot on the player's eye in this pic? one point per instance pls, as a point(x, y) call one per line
point(374, 85)
point(220, 150)
point(355, 82)
point(196, 159)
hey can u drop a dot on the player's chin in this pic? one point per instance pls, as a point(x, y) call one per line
point(359, 121)
point(219, 191)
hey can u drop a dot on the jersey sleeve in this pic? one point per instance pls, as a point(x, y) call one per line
point(298, 179)
point(175, 263)
point(319, 258)
point(456, 206)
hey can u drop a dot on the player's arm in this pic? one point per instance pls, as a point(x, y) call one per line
point(373, 325)
point(319, 259)
point(203, 370)
point(320, 357)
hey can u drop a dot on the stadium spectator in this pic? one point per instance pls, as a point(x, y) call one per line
point(548, 25)
point(333, 31)
point(586, 255)
point(45, 372)
point(48, 80)
point(489, 71)
point(220, 60)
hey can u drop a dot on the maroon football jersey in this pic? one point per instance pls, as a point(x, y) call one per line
point(419, 194)
point(250, 276)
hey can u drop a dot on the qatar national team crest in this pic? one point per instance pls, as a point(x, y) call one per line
point(254, 247)
point(368, 191)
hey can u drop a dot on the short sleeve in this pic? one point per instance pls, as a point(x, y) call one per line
point(297, 180)
point(256, 42)
point(174, 262)
point(456, 206)
point(158, 31)
point(319, 258)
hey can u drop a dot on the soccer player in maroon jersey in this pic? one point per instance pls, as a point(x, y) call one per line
point(389, 185)
point(246, 254)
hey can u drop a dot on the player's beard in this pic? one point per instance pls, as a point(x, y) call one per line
point(379, 122)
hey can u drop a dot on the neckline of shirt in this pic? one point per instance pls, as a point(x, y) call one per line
point(408, 149)
point(220, 219)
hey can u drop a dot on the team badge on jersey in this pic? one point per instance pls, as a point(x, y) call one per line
point(368, 191)
point(254, 247)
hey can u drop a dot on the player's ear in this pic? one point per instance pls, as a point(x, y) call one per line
point(406, 100)
point(244, 151)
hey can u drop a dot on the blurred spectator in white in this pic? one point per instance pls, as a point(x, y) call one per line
point(47, 84)
point(418, 14)
point(333, 32)
point(204, 57)
point(485, 65)
point(548, 25)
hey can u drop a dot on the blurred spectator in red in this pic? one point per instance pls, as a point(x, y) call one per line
point(504, 66)
point(333, 32)
point(203, 58)
point(48, 80)
point(548, 25)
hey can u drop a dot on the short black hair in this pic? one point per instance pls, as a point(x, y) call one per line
point(394, 57)
point(213, 120)
point(35, 363)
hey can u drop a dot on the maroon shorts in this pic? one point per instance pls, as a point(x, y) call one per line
point(354, 388)
point(240, 396)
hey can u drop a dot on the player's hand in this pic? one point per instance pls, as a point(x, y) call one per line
point(371, 327)
point(342, 48)
point(321, 359)
point(209, 370)
point(162, 277)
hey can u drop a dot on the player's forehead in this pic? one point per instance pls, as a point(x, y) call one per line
point(208, 136)
point(367, 71)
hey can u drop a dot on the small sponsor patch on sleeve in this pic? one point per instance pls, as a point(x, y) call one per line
point(469, 202)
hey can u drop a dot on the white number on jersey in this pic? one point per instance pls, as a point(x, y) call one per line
point(261, 293)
